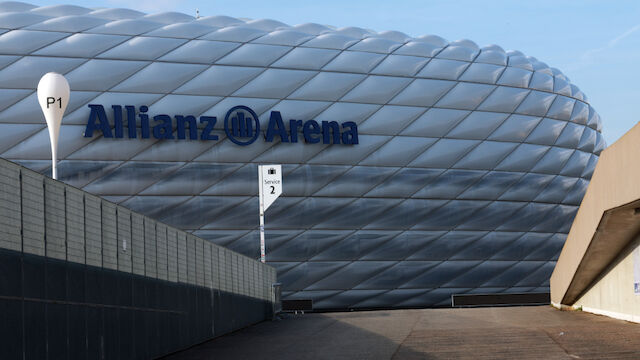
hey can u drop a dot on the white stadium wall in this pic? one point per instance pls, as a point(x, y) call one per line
point(463, 174)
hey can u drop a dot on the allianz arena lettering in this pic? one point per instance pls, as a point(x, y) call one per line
point(236, 126)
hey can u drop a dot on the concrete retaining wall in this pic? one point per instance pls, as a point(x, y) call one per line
point(81, 277)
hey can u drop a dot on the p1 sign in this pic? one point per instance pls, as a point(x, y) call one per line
point(270, 184)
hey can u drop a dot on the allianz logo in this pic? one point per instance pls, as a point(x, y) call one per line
point(241, 125)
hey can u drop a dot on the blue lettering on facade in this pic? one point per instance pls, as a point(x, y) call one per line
point(241, 125)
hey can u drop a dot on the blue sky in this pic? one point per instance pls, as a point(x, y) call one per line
point(595, 43)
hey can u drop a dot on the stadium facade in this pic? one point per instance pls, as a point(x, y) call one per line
point(414, 168)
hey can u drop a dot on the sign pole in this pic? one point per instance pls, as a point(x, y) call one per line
point(53, 97)
point(262, 246)
point(269, 189)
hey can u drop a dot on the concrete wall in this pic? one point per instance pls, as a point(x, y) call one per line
point(81, 277)
point(613, 294)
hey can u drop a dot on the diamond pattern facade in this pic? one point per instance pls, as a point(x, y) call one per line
point(471, 164)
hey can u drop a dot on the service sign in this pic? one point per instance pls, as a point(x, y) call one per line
point(271, 184)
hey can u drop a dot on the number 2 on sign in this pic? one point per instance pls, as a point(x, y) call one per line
point(273, 189)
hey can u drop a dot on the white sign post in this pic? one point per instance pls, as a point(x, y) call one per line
point(53, 96)
point(269, 188)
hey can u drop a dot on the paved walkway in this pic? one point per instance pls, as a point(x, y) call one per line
point(539, 332)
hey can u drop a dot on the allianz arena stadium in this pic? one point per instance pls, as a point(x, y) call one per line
point(414, 168)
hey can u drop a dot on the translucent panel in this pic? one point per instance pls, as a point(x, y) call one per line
point(38, 147)
point(550, 250)
point(449, 184)
point(440, 274)
point(520, 62)
point(378, 45)
point(588, 140)
point(266, 24)
point(553, 161)
point(400, 65)
point(110, 149)
point(305, 214)
point(26, 72)
point(398, 151)
point(561, 86)
point(444, 153)
point(274, 83)
point(458, 53)
point(81, 115)
point(404, 182)
point(240, 182)
point(306, 58)
point(190, 30)
point(219, 80)
point(435, 122)
point(443, 69)
point(82, 45)
point(138, 176)
point(514, 274)
point(423, 92)
point(376, 89)
point(307, 273)
point(417, 48)
point(235, 33)
point(577, 193)
point(465, 96)
point(299, 109)
point(154, 206)
point(541, 81)
point(547, 132)
point(327, 86)
point(196, 212)
point(559, 219)
point(515, 77)
point(200, 51)
point(600, 143)
point(69, 23)
point(349, 217)
point(354, 61)
point(159, 77)
point(520, 245)
point(256, 104)
point(527, 217)
point(60, 10)
point(389, 120)
point(405, 214)
point(516, 128)
point(295, 153)
point(492, 57)
point(478, 125)
point(537, 103)
point(15, 6)
point(527, 187)
point(29, 114)
point(523, 158)
point(190, 179)
point(350, 275)
point(12, 134)
point(348, 112)
point(576, 164)
point(6, 60)
point(561, 108)
point(401, 245)
point(126, 27)
point(557, 190)
point(116, 14)
point(307, 179)
point(254, 55)
point(142, 48)
point(312, 28)
point(570, 136)
point(580, 113)
point(355, 182)
point(482, 273)
point(78, 173)
point(9, 97)
point(484, 73)
point(331, 41)
point(486, 155)
point(226, 151)
point(283, 37)
point(101, 75)
point(19, 42)
point(397, 274)
point(591, 166)
point(174, 150)
point(491, 186)
point(504, 99)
